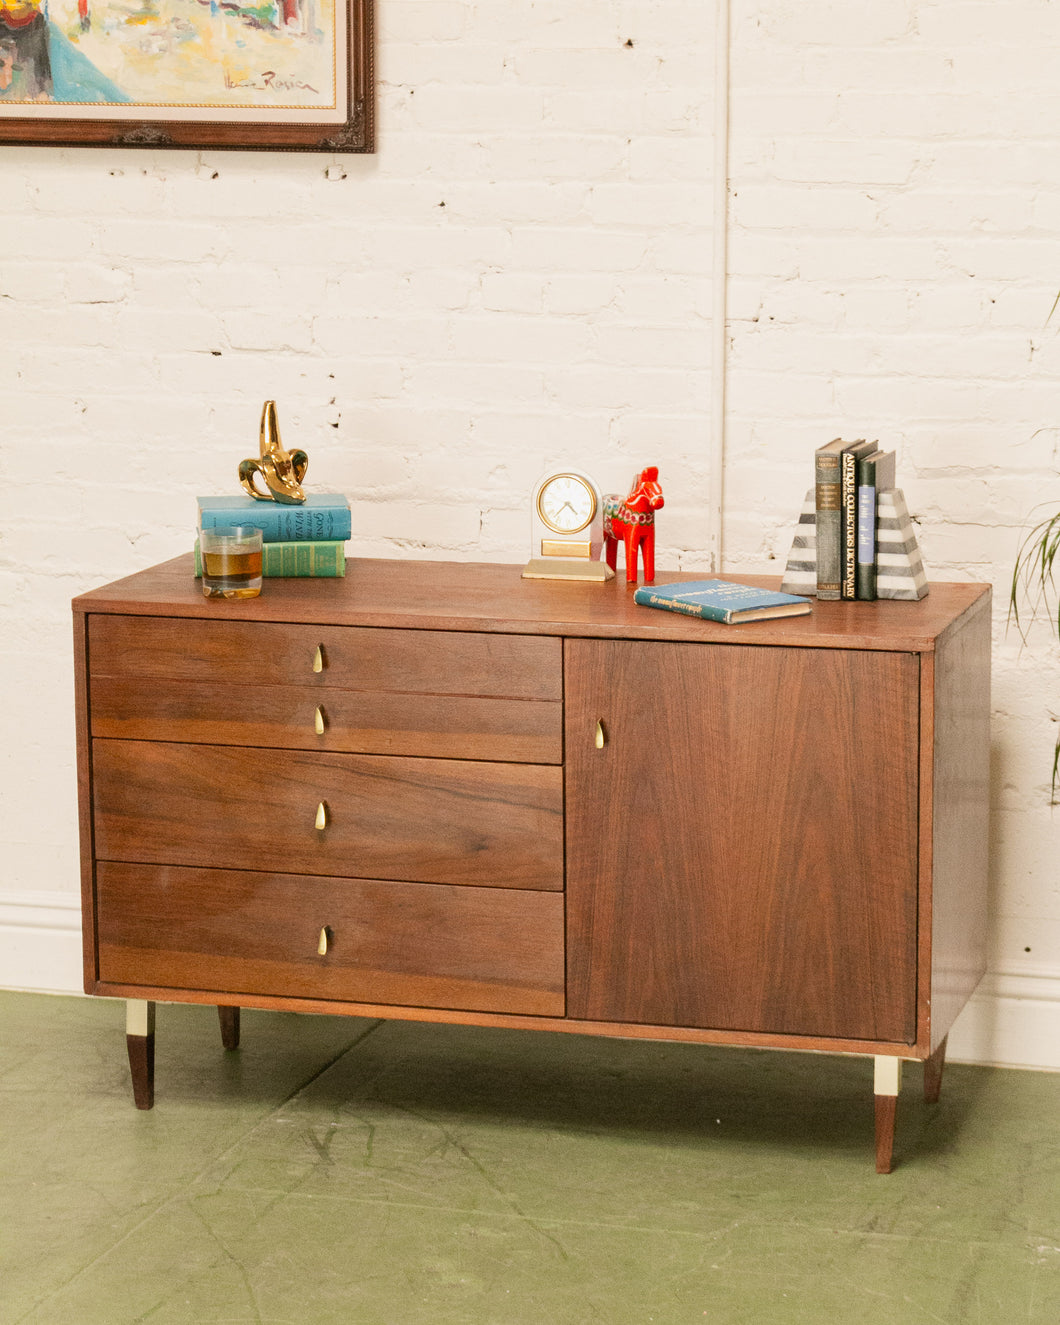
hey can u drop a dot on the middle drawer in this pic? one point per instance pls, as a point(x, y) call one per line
point(310, 718)
point(427, 820)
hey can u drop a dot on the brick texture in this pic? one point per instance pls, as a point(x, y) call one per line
point(521, 275)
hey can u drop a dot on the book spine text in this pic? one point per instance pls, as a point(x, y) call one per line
point(829, 525)
point(285, 524)
point(866, 570)
point(671, 605)
point(848, 587)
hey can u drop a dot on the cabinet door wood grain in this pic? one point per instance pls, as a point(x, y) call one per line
point(426, 820)
point(742, 850)
point(242, 932)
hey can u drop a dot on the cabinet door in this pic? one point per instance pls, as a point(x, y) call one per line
point(742, 849)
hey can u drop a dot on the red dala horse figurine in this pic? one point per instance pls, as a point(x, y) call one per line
point(633, 521)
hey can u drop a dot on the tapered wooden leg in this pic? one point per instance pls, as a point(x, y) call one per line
point(140, 1041)
point(933, 1073)
point(229, 1018)
point(888, 1082)
point(886, 1110)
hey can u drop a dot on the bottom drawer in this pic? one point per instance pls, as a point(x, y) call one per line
point(415, 944)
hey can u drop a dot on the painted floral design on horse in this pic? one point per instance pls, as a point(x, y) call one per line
point(632, 519)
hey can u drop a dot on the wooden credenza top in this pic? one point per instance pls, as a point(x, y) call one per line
point(484, 596)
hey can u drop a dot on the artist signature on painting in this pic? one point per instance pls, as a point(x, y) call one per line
point(270, 80)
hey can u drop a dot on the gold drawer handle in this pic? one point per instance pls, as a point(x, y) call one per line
point(323, 941)
point(318, 659)
point(319, 720)
point(322, 816)
point(601, 736)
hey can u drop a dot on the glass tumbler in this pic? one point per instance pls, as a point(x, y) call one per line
point(231, 561)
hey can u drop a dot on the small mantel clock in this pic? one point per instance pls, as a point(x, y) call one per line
point(566, 529)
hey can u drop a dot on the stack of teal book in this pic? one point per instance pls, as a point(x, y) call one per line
point(297, 541)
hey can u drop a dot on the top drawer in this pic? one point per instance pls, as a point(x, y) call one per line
point(360, 690)
point(435, 662)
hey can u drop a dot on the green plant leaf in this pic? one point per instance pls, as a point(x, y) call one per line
point(1033, 584)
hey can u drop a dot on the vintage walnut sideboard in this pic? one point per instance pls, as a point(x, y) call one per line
point(440, 792)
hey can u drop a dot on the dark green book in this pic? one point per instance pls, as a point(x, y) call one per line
point(848, 470)
point(876, 474)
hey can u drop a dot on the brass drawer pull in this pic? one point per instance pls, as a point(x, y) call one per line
point(601, 736)
point(318, 659)
point(322, 816)
point(323, 941)
point(319, 720)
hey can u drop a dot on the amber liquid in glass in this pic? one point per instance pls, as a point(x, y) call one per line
point(234, 573)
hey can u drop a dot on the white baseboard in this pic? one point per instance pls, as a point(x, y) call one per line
point(40, 942)
point(1013, 1019)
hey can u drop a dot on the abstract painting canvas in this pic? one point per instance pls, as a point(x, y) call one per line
point(290, 74)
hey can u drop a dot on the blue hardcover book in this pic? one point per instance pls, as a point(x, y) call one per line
point(322, 517)
point(721, 600)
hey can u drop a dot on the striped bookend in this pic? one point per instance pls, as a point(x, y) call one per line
point(899, 568)
point(800, 575)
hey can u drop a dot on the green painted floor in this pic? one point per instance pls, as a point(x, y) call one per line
point(390, 1173)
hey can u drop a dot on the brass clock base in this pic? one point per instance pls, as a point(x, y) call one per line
point(567, 568)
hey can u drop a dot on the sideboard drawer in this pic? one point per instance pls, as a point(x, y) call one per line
point(426, 662)
point(425, 820)
point(307, 718)
point(242, 932)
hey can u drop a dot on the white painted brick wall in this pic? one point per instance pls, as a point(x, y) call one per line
point(522, 274)
point(893, 260)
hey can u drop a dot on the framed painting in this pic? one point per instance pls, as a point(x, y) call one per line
point(293, 75)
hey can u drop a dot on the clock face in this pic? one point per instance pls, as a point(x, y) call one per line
point(566, 503)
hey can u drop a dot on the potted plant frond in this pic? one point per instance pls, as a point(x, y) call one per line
point(1034, 587)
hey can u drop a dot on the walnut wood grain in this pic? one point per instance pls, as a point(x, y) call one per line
point(958, 720)
point(141, 1052)
point(249, 932)
point(886, 1112)
point(426, 820)
point(510, 1021)
point(378, 661)
point(933, 1068)
point(354, 721)
point(493, 599)
point(781, 843)
point(229, 1020)
point(89, 966)
point(140, 1047)
point(742, 852)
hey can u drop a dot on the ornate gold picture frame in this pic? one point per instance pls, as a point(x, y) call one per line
point(294, 75)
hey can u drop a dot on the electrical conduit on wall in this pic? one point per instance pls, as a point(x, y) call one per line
point(719, 283)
